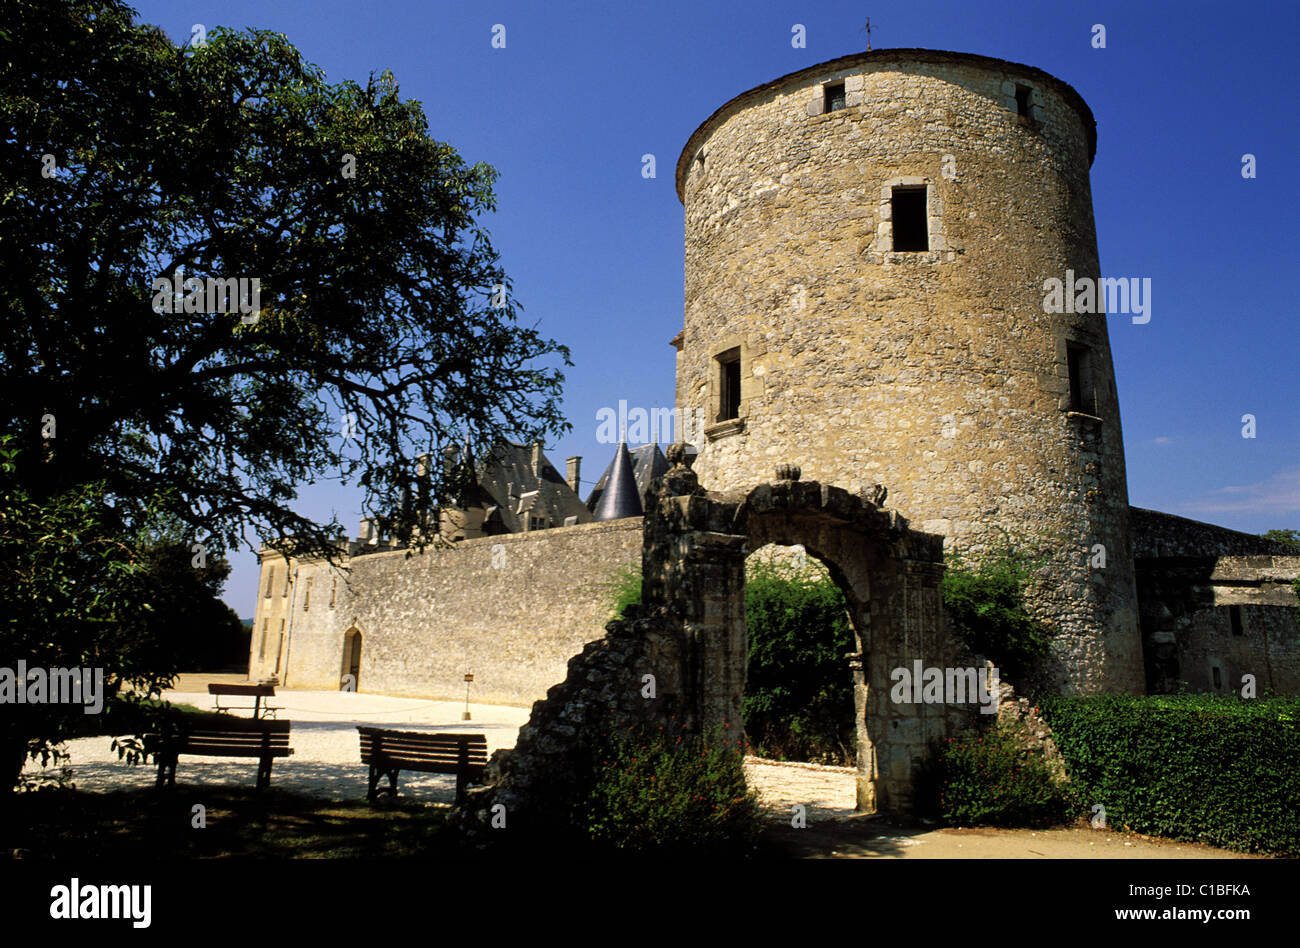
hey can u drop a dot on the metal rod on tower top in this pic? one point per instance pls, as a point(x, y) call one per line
point(868, 34)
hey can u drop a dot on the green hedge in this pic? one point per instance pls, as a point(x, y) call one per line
point(1217, 770)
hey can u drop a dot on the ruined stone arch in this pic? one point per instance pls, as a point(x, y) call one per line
point(689, 633)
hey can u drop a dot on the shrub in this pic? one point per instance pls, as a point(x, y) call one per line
point(986, 778)
point(1213, 769)
point(987, 604)
point(624, 589)
point(669, 792)
point(798, 701)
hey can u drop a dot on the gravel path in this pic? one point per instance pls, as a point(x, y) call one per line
point(326, 762)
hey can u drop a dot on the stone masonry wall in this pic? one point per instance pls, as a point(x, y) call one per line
point(1187, 622)
point(1157, 534)
point(937, 373)
point(511, 609)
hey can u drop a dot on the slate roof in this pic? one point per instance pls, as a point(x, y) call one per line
point(508, 482)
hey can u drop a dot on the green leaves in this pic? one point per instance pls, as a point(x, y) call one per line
point(987, 604)
point(661, 791)
point(227, 160)
point(1219, 770)
point(984, 778)
point(798, 701)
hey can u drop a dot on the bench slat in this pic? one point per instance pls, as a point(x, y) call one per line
point(251, 691)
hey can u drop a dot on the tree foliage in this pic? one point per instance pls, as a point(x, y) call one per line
point(987, 602)
point(129, 158)
point(70, 586)
point(798, 701)
point(386, 326)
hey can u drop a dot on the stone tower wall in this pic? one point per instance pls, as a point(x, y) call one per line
point(937, 373)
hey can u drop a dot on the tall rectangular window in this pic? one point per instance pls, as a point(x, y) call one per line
point(334, 592)
point(834, 97)
point(270, 581)
point(729, 384)
point(1024, 107)
point(1082, 397)
point(261, 648)
point(907, 211)
point(306, 595)
point(1234, 617)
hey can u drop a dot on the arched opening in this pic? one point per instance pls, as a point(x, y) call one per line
point(861, 564)
point(803, 660)
point(351, 674)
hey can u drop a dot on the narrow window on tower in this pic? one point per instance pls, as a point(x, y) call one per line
point(1023, 107)
point(1234, 616)
point(907, 211)
point(834, 97)
point(270, 581)
point(1081, 390)
point(729, 384)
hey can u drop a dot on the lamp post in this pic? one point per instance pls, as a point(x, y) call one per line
point(469, 676)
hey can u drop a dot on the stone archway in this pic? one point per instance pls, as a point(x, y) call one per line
point(689, 636)
point(889, 573)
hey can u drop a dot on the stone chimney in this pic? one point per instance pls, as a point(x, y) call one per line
point(572, 467)
point(537, 459)
point(367, 534)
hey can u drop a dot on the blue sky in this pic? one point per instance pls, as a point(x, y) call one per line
point(582, 90)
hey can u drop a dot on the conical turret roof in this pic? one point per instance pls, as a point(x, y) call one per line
point(620, 497)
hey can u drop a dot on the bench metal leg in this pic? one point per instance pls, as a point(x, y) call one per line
point(375, 774)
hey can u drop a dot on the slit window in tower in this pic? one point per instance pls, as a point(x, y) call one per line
point(1081, 390)
point(834, 97)
point(1023, 107)
point(1234, 616)
point(729, 384)
point(907, 211)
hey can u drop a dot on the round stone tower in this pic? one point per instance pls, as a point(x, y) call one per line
point(869, 245)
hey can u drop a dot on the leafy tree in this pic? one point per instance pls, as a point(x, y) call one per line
point(70, 586)
point(1283, 536)
point(384, 313)
point(382, 300)
point(185, 614)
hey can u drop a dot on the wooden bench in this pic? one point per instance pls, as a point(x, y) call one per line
point(232, 737)
point(256, 692)
point(388, 752)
